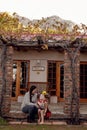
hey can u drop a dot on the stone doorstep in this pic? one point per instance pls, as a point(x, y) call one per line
point(22, 116)
point(84, 123)
point(45, 123)
point(17, 114)
point(53, 112)
point(51, 122)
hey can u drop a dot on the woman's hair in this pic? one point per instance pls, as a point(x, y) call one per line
point(31, 89)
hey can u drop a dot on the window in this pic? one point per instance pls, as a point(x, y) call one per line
point(52, 77)
point(83, 80)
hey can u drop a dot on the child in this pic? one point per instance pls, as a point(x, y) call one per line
point(42, 106)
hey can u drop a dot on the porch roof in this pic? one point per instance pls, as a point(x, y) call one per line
point(37, 42)
point(56, 43)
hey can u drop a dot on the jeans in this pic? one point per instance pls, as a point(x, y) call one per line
point(32, 112)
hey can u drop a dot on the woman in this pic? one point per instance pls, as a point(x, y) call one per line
point(29, 104)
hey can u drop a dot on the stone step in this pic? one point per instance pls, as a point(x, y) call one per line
point(16, 113)
point(19, 115)
point(53, 105)
point(54, 108)
point(45, 123)
point(15, 106)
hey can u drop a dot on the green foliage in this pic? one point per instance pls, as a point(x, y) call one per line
point(10, 27)
point(2, 121)
point(43, 127)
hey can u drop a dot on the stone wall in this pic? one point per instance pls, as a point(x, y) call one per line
point(8, 81)
point(68, 84)
point(0, 79)
point(71, 103)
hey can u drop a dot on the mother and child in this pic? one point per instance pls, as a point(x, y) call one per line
point(35, 105)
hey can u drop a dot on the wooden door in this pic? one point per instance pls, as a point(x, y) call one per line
point(20, 78)
point(56, 79)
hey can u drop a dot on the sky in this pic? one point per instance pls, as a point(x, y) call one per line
point(74, 10)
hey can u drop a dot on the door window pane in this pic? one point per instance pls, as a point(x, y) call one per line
point(52, 77)
point(14, 79)
point(23, 77)
point(61, 80)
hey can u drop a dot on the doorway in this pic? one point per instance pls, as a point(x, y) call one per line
point(56, 79)
point(20, 78)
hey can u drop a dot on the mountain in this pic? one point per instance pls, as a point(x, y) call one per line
point(52, 22)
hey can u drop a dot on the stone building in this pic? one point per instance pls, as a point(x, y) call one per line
point(27, 62)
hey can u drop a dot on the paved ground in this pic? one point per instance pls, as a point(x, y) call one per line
point(47, 122)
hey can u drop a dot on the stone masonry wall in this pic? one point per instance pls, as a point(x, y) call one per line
point(7, 97)
point(68, 84)
point(0, 76)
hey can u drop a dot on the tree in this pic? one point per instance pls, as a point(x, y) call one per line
point(73, 51)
